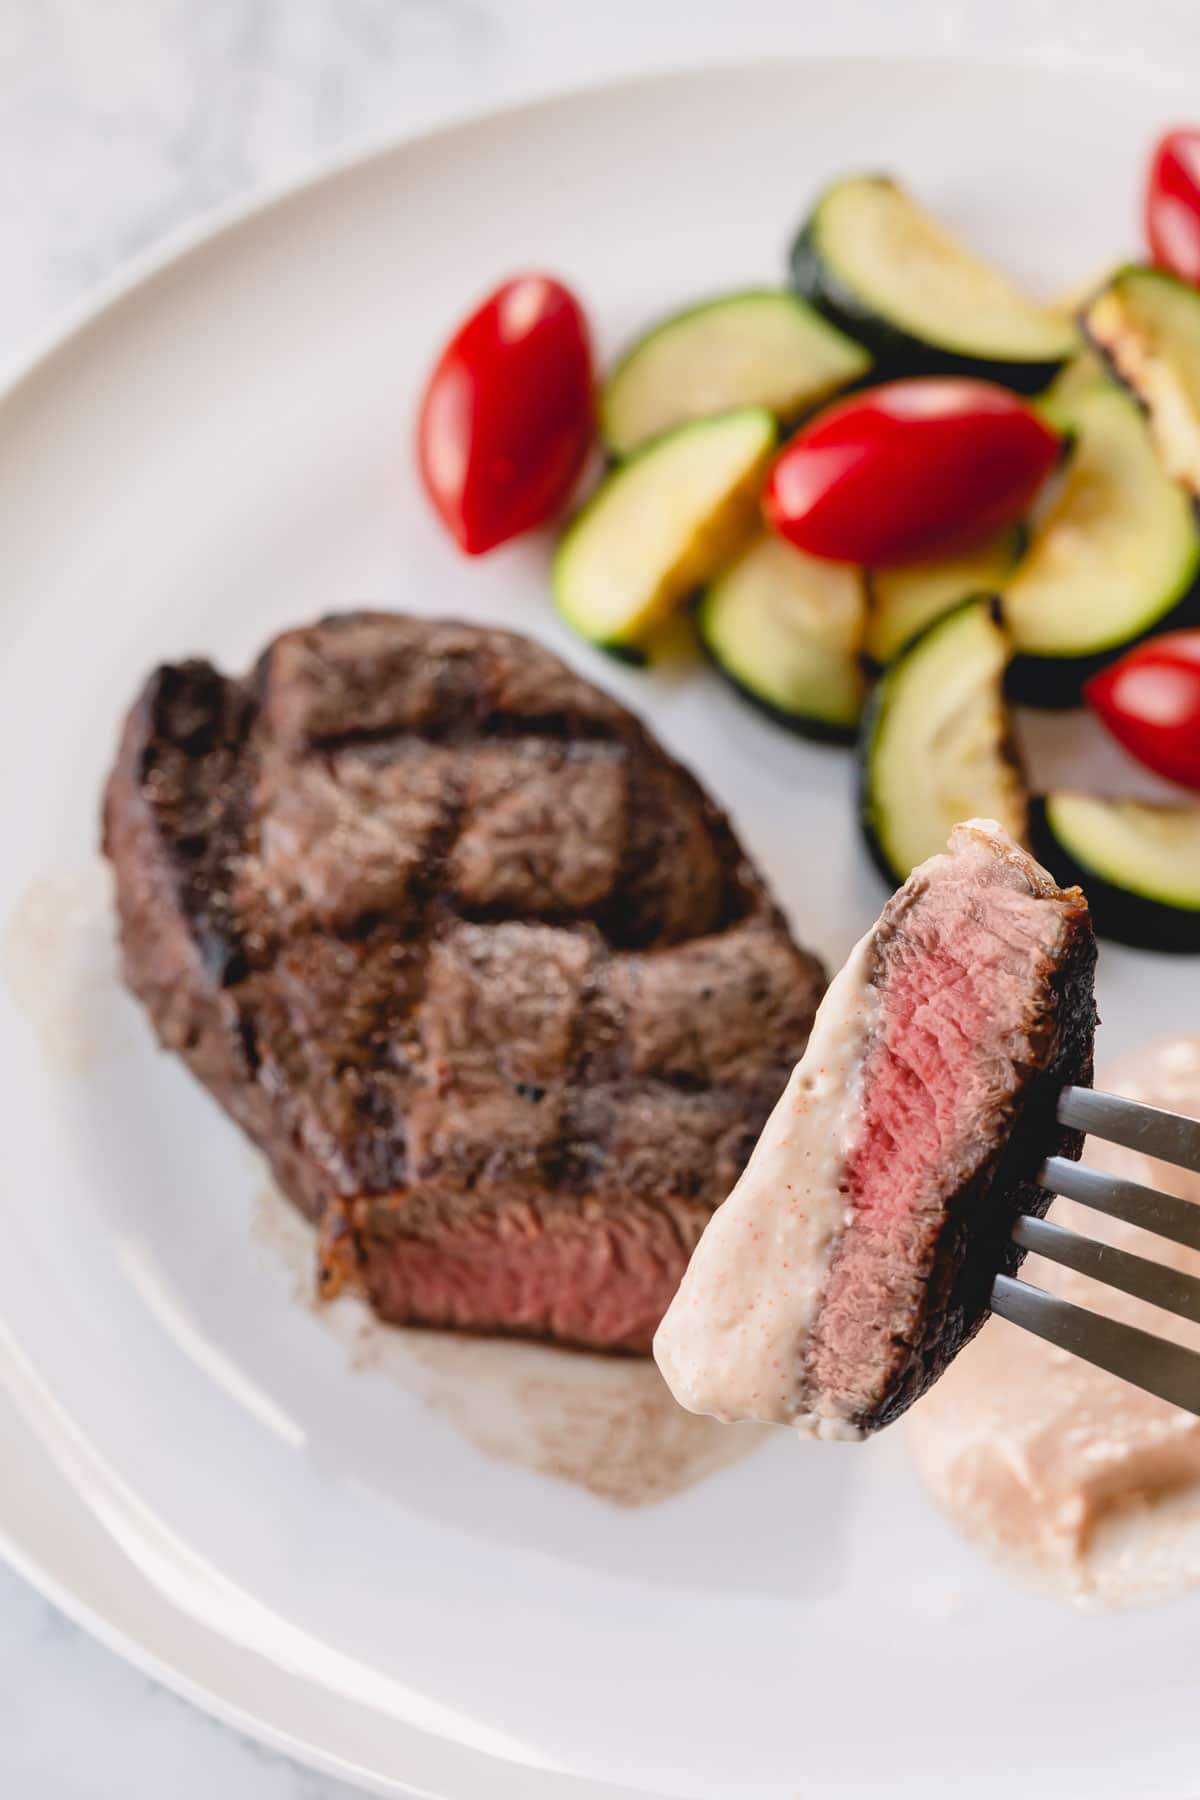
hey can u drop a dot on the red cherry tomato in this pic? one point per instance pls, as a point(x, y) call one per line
point(1173, 204)
point(506, 418)
point(909, 468)
point(1150, 701)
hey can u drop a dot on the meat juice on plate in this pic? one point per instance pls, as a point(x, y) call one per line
point(1089, 1483)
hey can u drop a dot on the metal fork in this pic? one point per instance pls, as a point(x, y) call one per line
point(1167, 1370)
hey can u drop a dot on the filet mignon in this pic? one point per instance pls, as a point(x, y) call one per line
point(481, 969)
point(857, 1253)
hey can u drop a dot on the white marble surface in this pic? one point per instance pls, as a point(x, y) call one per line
point(122, 120)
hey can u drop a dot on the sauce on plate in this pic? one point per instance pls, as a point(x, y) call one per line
point(1089, 1483)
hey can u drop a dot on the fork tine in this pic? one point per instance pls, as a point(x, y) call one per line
point(1171, 1289)
point(1163, 1134)
point(1165, 1214)
point(1161, 1368)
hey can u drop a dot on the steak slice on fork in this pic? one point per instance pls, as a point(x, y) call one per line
point(858, 1252)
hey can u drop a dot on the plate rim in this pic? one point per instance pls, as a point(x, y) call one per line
point(192, 236)
point(24, 1396)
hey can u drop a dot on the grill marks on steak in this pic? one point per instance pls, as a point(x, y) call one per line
point(983, 967)
point(483, 971)
point(857, 1253)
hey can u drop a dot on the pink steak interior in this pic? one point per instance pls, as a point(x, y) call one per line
point(967, 1017)
point(565, 1271)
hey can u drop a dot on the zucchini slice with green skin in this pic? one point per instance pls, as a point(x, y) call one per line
point(878, 266)
point(1080, 377)
point(1139, 865)
point(750, 349)
point(787, 630)
point(1146, 325)
point(661, 525)
point(936, 745)
point(1114, 556)
point(905, 599)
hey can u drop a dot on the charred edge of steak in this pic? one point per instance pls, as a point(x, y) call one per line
point(976, 1244)
point(173, 821)
point(191, 728)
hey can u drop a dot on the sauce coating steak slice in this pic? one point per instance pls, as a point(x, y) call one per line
point(857, 1253)
point(481, 969)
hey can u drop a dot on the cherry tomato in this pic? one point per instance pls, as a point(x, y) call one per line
point(909, 468)
point(506, 418)
point(1150, 701)
point(1173, 204)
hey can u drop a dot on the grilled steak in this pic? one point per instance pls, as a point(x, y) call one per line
point(481, 969)
point(857, 1254)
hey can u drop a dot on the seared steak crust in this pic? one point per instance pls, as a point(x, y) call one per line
point(482, 970)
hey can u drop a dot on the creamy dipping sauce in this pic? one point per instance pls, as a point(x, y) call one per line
point(731, 1343)
point(1090, 1483)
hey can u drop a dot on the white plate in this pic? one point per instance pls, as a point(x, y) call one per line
point(192, 1461)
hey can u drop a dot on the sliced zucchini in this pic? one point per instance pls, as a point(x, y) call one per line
point(1139, 865)
point(753, 349)
point(877, 265)
point(1116, 554)
point(1076, 379)
point(905, 599)
point(787, 629)
point(661, 525)
point(936, 746)
point(1146, 324)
